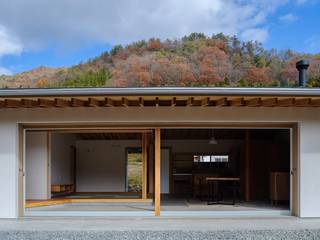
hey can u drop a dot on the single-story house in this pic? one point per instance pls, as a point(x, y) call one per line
point(160, 151)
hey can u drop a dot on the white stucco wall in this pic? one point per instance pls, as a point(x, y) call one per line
point(36, 170)
point(61, 165)
point(101, 165)
point(309, 131)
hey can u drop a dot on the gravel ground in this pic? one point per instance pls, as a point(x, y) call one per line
point(158, 235)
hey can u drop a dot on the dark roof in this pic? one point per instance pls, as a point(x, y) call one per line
point(159, 91)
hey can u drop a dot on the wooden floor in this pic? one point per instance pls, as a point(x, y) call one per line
point(57, 201)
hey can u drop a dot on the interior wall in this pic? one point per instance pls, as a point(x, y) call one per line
point(267, 156)
point(101, 165)
point(36, 172)
point(200, 146)
point(223, 146)
point(61, 158)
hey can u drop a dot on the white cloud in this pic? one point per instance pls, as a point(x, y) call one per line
point(8, 43)
point(5, 71)
point(38, 23)
point(257, 34)
point(288, 18)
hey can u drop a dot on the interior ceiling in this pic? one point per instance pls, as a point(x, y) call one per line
point(200, 134)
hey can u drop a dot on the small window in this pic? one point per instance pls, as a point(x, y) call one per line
point(210, 158)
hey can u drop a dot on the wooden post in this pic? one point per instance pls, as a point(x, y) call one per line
point(144, 165)
point(150, 169)
point(157, 172)
point(247, 166)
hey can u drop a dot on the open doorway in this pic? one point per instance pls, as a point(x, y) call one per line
point(241, 170)
point(134, 170)
point(69, 173)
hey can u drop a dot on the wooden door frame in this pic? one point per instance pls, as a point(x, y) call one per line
point(295, 145)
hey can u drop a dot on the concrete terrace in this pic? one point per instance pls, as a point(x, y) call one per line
point(160, 228)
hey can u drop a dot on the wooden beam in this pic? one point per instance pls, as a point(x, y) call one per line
point(302, 102)
point(236, 102)
point(141, 102)
point(77, 102)
point(62, 102)
point(189, 102)
point(157, 102)
point(315, 102)
point(46, 103)
point(92, 102)
point(157, 172)
point(269, 102)
point(287, 102)
point(124, 102)
point(247, 166)
point(150, 169)
point(12, 103)
point(173, 102)
point(205, 102)
point(221, 102)
point(254, 102)
point(144, 165)
point(108, 102)
point(29, 103)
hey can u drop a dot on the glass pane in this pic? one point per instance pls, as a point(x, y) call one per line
point(134, 172)
point(206, 158)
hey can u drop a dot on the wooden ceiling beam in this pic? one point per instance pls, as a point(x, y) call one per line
point(108, 102)
point(236, 102)
point(12, 103)
point(221, 102)
point(302, 102)
point(157, 102)
point(173, 102)
point(124, 102)
point(75, 102)
point(46, 102)
point(287, 102)
point(62, 102)
point(141, 102)
point(93, 102)
point(190, 102)
point(205, 102)
point(269, 102)
point(315, 102)
point(29, 103)
point(254, 102)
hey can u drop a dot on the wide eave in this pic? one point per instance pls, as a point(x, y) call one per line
point(159, 97)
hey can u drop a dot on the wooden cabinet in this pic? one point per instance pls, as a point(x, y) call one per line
point(279, 187)
point(182, 177)
point(62, 188)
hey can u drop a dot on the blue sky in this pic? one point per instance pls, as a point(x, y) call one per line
point(63, 33)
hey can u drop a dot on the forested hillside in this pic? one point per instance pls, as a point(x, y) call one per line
point(194, 60)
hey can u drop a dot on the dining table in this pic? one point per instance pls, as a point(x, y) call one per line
point(214, 187)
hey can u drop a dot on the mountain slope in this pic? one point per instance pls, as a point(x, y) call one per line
point(195, 60)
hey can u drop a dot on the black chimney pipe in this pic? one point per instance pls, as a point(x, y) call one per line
point(302, 67)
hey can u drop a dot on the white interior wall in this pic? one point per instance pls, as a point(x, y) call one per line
point(101, 165)
point(309, 132)
point(36, 172)
point(61, 162)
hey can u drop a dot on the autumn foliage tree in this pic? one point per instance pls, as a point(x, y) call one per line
point(193, 60)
